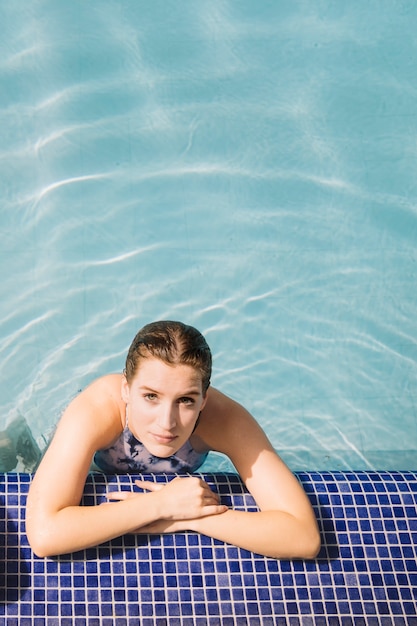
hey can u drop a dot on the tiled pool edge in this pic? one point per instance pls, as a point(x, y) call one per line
point(366, 572)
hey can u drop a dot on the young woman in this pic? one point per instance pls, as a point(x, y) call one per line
point(162, 415)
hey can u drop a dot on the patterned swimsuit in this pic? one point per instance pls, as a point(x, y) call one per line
point(127, 455)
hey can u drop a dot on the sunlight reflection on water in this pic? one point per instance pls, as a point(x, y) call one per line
point(248, 171)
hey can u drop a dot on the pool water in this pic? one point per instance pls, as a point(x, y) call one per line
point(248, 168)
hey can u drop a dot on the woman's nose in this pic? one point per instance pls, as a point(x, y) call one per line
point(167, 418)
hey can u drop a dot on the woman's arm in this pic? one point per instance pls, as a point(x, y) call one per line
point(275, 533)
point(267, 533)
point(78, 527)
point(55, 521)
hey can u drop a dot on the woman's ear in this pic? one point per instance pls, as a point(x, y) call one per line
point(125, 390)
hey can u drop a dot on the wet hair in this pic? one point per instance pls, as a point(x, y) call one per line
point(173, 343)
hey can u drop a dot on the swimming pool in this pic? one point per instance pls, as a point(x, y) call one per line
point(246, 168)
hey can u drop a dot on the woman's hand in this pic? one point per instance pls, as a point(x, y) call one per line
point(180, 499)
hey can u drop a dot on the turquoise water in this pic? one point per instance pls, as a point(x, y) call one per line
point(249, 168)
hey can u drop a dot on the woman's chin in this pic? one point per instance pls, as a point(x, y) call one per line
point(162, 448)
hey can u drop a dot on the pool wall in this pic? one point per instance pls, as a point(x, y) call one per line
point(365, 573)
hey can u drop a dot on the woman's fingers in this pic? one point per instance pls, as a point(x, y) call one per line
point(119, 495)
point(214, 509)
point(182, 498)
point(148, 485)
point(125, 494)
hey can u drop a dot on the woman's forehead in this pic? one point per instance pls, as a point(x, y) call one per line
point(152, 370)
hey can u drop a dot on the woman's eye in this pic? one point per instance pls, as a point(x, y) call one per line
point(186, 401)
point(150, 396)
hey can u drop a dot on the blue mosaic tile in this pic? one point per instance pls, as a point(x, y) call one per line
point(365, 574)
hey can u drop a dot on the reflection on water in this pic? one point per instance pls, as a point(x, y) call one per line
point(248, 169)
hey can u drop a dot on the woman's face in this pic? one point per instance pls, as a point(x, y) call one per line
point(164, 402)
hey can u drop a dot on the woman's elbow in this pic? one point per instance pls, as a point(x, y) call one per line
point(303, 542)
point(313, 547)
point(310, 545)
point(40, 546)
point(40, 541)
point(42, 551)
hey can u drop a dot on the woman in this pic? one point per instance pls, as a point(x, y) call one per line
point(162, 415)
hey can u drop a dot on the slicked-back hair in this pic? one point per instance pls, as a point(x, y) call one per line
point(173, 343)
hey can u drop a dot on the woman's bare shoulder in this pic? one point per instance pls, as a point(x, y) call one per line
point(221, 419)
point(109, 382)
point(104, 392)
point(98, 408)
point(221, 407)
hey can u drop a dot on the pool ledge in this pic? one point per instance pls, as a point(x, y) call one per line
point(366, 572)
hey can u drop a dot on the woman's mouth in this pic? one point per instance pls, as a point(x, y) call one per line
point(164, 439)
